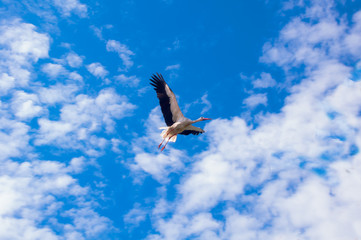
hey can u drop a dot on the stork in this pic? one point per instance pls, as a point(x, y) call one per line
point(173, 117)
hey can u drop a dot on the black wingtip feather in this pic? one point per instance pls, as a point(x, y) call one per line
point(157, 81)
point(187, 132)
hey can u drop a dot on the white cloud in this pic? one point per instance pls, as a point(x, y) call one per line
point(97, 31)
point(172, 67)
point(122, 50)
point(180, 227)
point(89, 222)
point(203, 101)
point(23, 40)
point(6, 83)
point(67, 7)
point(29, 203)
point(13, 138)
point(302, 37)
point(290, 4)
point(135, 216)
point(352, 41)
point(74, 60)
point(265, 81)
point(131, 81)
point(255, 100)
point(58, 93)
point(268, 160)
point(97, 69)
point(116, 144)
point(21, 46)
point(206, 102)
point(41, 199)
point(158, 165)
point(240, 226)
point(53, 70)
point(173, 70)
point(77, 164)
point(80, 121)
point(211, 180)
point(25, 105)
point(76, 76)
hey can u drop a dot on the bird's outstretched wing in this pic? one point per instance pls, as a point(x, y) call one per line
point(192, 130)
point(167, 101)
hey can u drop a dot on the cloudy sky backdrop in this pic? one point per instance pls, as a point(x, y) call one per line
point(79, 121)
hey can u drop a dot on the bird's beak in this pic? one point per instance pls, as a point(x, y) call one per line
point(207, 118)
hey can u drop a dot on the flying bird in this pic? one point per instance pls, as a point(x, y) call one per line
point(173, 117)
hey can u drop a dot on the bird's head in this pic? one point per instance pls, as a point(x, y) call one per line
point(203, 118)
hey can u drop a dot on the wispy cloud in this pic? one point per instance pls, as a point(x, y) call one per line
point(122, 50)
point(131, 81)
point(175, 45)
point(255, 100)
point(172, 67)
point(173, 70)
point(48, 12)
point(135, 216)
point(97, 31)
point(206, 102)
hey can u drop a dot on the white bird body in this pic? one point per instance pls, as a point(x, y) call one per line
point(176, 122)
point(177, 128)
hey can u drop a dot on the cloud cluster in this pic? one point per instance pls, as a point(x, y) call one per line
point(79, 120)
point(21, 46)
point(42, 199)
point(31, 194)
point(294, 175)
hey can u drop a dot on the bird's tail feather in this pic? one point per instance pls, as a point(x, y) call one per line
point(164, 133)
point(173, 139)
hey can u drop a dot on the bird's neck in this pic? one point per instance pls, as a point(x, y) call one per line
point(198, 120)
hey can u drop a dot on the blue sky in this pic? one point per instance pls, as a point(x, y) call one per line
point(79, 121)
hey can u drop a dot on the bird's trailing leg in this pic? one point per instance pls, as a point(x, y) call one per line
point(164, 137)
point(161, 143)
point(167, 142)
